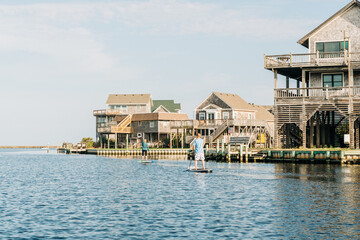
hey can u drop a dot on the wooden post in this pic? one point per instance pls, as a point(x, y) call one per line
point(327, 129)
point(276, 130)
point(287, 84)
point(171, 139)
point(217, 145)
point(323, 140)
point(177, 138)
point(108, 141)
point(287, 133)
point(351, 131)
point(311, 132)
point(101, 141)
point(241, 152)
point(304, 120)
point(318, 130)
point(182, 138)
point(246, 153)
point(229, 152)
point(298, 86)
point(127, 142)
point(351, 120)
point(116, 140)
point(222, 145)
point(275, 79)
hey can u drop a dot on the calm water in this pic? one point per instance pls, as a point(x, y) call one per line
point(89, 197)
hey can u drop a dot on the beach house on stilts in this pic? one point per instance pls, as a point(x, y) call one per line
point(224, 115)
point(322, 108)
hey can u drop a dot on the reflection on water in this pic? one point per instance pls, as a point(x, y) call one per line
point(325, 197)
point(92, 197)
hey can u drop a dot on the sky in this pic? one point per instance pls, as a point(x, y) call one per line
point(59, 60)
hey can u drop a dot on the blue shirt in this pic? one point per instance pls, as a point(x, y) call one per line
point(145, 146)
point(198, 143)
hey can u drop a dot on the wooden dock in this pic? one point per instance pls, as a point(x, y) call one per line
point(310, 156)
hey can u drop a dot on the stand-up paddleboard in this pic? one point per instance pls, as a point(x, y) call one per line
point(199, 170)
point(147, 161)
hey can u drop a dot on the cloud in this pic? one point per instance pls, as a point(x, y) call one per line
point(161, 17)
point(71, 32)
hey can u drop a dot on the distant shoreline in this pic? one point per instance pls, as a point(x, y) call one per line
point(29, 146)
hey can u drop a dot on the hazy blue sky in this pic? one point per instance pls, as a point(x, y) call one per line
point(59, 60)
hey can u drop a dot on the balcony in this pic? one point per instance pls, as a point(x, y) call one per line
point(105, 112)
point(317, 92)
point(310, 59)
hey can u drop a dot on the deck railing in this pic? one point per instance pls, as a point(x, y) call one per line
point(310, 59)
point(108, 112)
point(314, 92)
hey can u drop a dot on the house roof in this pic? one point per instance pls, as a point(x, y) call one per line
point(159, 116)
point(169, 105)
point(128, 99)
point(305, 40)
point(262, 113)
point(234, 101)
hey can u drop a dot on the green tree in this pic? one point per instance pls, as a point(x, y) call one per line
point(89, 142)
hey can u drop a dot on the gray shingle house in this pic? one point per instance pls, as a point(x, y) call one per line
point(323, 108)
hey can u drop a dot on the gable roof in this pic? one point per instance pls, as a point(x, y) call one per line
point(129, 99)
point(212, 106)
point(305, 40)
point(159, 108)
point(234, 101)
point(169, 105)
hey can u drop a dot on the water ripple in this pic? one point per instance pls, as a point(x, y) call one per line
point(88, 197)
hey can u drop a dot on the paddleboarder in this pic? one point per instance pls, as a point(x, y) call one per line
point(145, 149)
point(199, 150)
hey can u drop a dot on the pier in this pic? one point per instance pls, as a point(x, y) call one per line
point(240, 154)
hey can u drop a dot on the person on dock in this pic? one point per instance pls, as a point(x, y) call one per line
point(199, 150)
point(145, 149)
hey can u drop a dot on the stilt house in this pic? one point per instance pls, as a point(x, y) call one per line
point(323, 107)
point(224, 115)
point(130, 118)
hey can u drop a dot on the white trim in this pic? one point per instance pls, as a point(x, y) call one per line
point(159, 107)
point(213, 105)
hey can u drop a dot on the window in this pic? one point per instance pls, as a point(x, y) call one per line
point(235, 114)
point(139, 123)
point(332, 80)
point(101, 120)
point(202, 116)
point(151, 124)
point(225, 115)
point(123, 107)
point(218, 115)
point(250, 116)
point(211, 116)
point(111, 119)
point(138, 106)
point(331, 47)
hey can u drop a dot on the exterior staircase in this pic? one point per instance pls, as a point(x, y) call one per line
point(123, 126)
point(223, 127)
